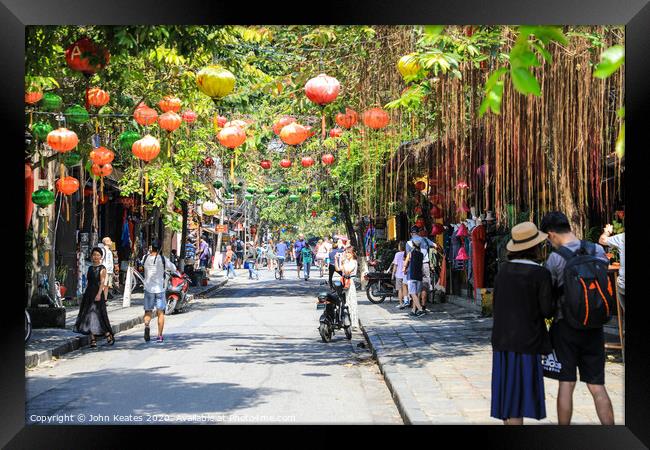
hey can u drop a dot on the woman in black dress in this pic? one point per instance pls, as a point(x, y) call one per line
point(93, 317)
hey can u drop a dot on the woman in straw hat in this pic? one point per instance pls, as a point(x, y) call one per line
point(522, 300)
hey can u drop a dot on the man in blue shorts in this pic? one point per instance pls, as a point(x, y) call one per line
point(281, 254)
point(155, 266)
point(298, 246)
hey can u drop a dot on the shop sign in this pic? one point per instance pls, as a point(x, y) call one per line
point(221, 228)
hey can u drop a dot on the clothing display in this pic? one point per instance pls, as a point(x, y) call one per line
point(477, 256)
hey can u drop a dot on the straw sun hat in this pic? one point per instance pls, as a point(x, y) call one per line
point(524, 236)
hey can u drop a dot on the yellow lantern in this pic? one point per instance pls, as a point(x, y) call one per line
point(215, 81)
point(209, 208)
point(408, 65)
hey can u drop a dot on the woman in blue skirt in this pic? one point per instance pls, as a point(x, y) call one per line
point(522, 300)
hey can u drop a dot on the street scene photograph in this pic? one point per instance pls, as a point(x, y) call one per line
point(302, 224)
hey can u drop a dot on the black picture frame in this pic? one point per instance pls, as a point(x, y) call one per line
point(634, 14)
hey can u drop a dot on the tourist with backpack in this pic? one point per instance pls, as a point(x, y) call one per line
point(585, 301)
point(155, 267)
point(522, 300)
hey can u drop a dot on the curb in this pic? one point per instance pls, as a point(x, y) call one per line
point(75, 343)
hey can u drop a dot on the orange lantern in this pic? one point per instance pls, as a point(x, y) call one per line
point(170, 103)
point(145, 115)
point(62, 140)
point(170, 121)
point(376, 118)
point(348, 119)
point(322, 89)
point(236, 123)
point(294, 134)
point(102, 171)
point(67, 185)
point(97, 97)
point(420, 186)
point(232, 137)
point(336, 132)
point(307, 161)
point(101, 156)
point(281, 123)
point(285, 163)
point(33, 97)
point(146, 148)
point(328, 159)
point(103, 200)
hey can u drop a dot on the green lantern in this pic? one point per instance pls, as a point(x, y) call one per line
point(105, 110)
point(248, 197)
point(71, 159)
point(41, 130)
point(236, 188)
point(126, 139)
point(51, 102)
point(294, 197)
point(125, 100)
point(315, 196)
point(43, 197)
point(271, 197)
point(217, 184)
point(252, 190)
point(229, 195)
point(268, 190)
point(302, 189)
point(76, 114)
point(284, 190)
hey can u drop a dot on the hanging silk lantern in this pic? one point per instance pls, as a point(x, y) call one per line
point(376, 118)
point(232, 137)
point(285, 163)
point(281, 123)
point(294, 134)
point(248, 197)
point(51, 102)
point(315, 196)
point(170, 103)
point(33, 97)
point(220, 121)
point(97, 97)
point(271, 197)
point(408, 65)
point(462, 255)
point(283, 190)
point(236, 123)
point(419, 222)
point(435, 212)
point(145, 115)
point(336, 133)
point(294, 198)
point(268, 190)
point(41, 130)
point(462, 231)
point(420, 186)
point(328, 159)
point(170, 121)
point(103, 199)
point(67, 185)
point(71, 159)
point(313, 213)
point(418, 211)
point(303, 189)
point(101, 156)
point(348, 119)
point(208, 162)
point(86, 57)
point(436, 229)
point(189, 116)
point(236, 188)
point(146, 148)
point(322, 89)
point(266, 164)
point(218, 184)
point(126, 139)
point(62, 140)
point(102, 171)
point(252, 190)
point(215, 81)
point(76, 114)
point(209, 208)
point(43, 197)
point(307, 161)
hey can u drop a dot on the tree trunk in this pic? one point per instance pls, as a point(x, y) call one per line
point(183, 235)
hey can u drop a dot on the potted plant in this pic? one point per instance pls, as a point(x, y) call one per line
point(61, 276)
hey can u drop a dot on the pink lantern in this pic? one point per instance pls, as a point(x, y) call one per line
point(436, 229)
point(328, 159)
point(189, 116)
point(307, 161)
point(336, 132)
point(322, 89)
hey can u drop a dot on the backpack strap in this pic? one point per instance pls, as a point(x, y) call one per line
point(565, 253)
point(588, 248)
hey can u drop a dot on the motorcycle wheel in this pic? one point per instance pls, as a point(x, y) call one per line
point(170, 307)
point(324, 331)
point(371, 290)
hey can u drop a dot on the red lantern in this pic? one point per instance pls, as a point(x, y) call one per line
point(145, 115)
point(313, 213)
point(88, 192)
point(376, 118)
point(435, 212)
point(285, 163)
point(266, 164)
point(348, 119)
point(418, 211)
point(209, 162)
point(336, 132)
point(33, 97)
point(307, 161)
point(419, 222)
point(29, 189)
point(189, 116)
point(146, 148)
point(436, 229)
point(170, 103)
point(236, 123)
point(62, 140)
point(86, 57)
point(294, 134)
point(221, 121)
point(102, 199)
point(67, 185)
point(232, 137)
point(97, 97)
point(101, 156)
point(420, 186)
point(102, 171)
point(322, 89)
point(170, 121)
point(281, 123)
point(328, 159)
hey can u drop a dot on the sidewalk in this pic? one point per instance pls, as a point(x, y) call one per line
point(46, 343)
point(438, 367)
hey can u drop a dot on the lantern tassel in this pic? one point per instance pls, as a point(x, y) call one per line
point(101, 187)
point(232, 169)
point(146, 185)
point(323, 123)
point(31, 118)
point(67, 210)
point(169, 148)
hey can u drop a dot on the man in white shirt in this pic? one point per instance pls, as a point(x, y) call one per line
point(618, 242)
point(107, 262)
point(155, 266)
point(425, 245)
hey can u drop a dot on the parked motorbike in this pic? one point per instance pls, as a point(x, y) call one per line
point(176, 294)
point(380, 285)
point(336, 314)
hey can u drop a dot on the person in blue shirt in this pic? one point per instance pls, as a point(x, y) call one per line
point(298, 246)
point(281, 254)
point(336, 252)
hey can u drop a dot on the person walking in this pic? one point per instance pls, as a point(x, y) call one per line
point(348, 266)
point(204, 254)
point(297, 247)
point(307, 258)
point(190, 254)
point(239, 252)
point(280, 253)
point(228, 262)
point(155, 266)
point(270, 255)
point(573, 348)
point(92, 319)
point(413, 266)
point(107, 262)
point(398, 275)
point(321, 253)
point(426, 287)
point(522, 300)
point(334, 255)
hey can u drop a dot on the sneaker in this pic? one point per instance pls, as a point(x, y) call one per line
point(400, 305)
point(147, 336)
point(412, 313)
point(160, 338)
point(419, 313)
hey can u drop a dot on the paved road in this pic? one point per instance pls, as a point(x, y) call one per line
point(251, 353)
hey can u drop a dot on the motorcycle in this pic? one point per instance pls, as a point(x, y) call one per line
point(336, 314)
point(379, 285)
point(176, 295)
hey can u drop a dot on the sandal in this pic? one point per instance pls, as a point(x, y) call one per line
point(110, 339)
point(93, 343)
